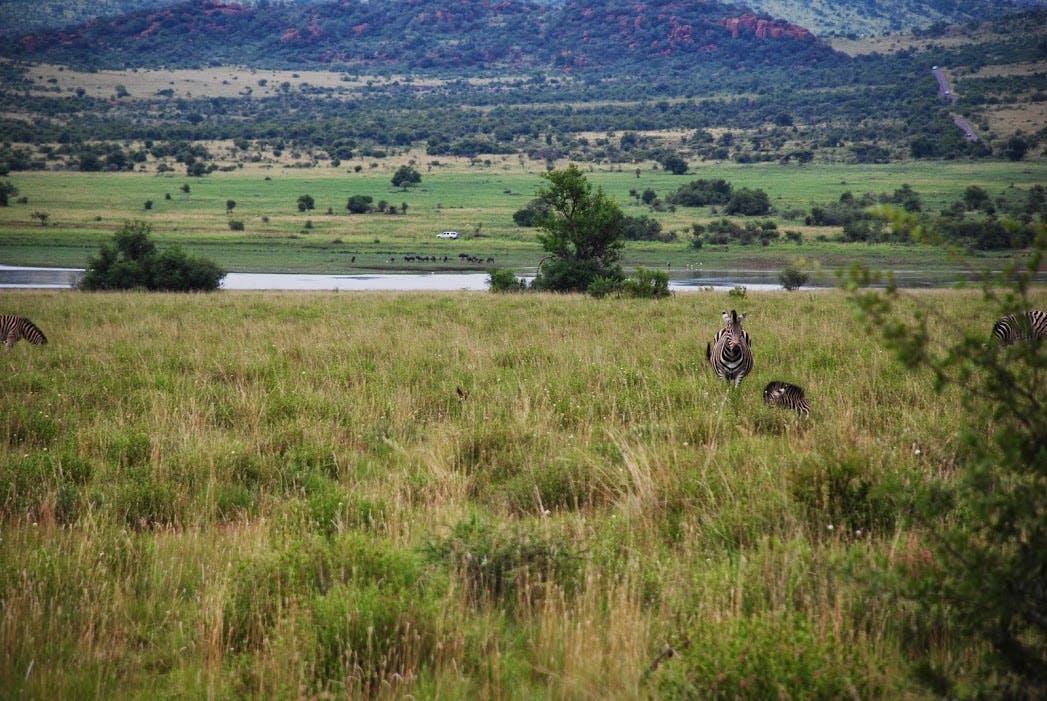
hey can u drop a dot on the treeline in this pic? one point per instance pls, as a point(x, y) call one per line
point(978, 220)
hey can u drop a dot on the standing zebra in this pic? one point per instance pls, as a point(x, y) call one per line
point(730, 353)
point(1022, 326)
point(786, 395)
point(14, 327)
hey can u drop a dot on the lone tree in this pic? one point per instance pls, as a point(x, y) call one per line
point(7, 191)
point(132, 261)
point(406, 176)
point(582, 231)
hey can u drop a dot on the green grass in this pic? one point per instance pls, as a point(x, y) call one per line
point(246, 495)
point(86, 209)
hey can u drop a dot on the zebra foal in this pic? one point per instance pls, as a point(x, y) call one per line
point(786, 395)
point(1019, 327)
point(730, 352)
point(13, 328)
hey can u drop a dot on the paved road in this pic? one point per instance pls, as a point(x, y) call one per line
point(947, 93)
point(943, 84)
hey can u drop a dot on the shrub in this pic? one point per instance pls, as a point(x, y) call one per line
point(602, 286)
point(985, 527)
point(506, 566)
point(236, 225)
point(840, 491)
point(792, 278)
point(765, 656)
point(504, 280)
point(133, 262)
point(646, 283)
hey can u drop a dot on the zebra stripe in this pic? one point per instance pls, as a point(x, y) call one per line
point(1022, 326)
point(14, 327)
point(786, 395)
point(730, 353)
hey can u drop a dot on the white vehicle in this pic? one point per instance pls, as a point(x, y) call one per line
point(447, 235)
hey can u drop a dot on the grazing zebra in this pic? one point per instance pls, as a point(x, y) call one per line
point(730, 353)
point(786, 395)
point(14, 327)
point(1023, 326)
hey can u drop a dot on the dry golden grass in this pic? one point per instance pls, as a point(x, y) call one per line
point(229, 495)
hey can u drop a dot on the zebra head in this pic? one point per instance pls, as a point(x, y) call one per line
point(732, 319)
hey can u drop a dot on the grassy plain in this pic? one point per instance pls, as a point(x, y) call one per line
point(244, 495)
point(477, 199)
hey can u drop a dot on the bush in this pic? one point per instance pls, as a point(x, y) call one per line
point(748, 202)
point(236, 225)
point(792, 278)
point(602, 286)
point(764, 656)
point(505, 280)
point(984, 526)
point(646, 283)
point(132, 262)
point(507, 566)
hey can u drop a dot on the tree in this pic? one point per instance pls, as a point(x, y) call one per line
point(674, 164)
point(748, 202)
point(792, 278)
point(581, 232)
point(230, 205)
point(359, 204)
point(7, 191)
point(42, 216)
point(306, 203)
point(981, 583)
point(132, 262)
point(406, 176)
point(527, 216)
point(1016, 148)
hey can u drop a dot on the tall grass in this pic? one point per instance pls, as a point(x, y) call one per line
point(284, 496)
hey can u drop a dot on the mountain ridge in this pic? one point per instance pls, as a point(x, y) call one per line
point(822, 17)
point(421, 34)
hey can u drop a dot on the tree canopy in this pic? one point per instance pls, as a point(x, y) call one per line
point(581, 230)
point(406, 176)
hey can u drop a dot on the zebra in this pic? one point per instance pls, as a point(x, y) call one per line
point(1021, 326)
point(787, 395)
point(14, 327)
point(730, 353)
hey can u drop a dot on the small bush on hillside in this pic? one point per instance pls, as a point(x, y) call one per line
point(133, 262)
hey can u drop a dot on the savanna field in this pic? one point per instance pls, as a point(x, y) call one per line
point(283, 495)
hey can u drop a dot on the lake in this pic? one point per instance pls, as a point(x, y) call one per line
point(681, 281)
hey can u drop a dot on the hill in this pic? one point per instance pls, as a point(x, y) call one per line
point(871, 17)
point(624, 82)
point(823, 17)
point(428, 34)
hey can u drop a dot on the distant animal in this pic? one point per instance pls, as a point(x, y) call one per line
point(1022, 326)
point(13, 328)
point(463, 394)
point(786, 395)
point(730, 352)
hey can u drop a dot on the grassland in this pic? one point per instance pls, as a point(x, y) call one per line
point(246, 495)
point(476, 198)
